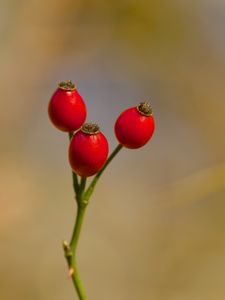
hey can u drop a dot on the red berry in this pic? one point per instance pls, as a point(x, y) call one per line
point(88, 150)
point(67, 109)
point(135, 126)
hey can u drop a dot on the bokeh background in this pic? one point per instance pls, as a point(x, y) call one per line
point(155, 225)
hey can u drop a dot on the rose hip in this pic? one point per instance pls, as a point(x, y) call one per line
point(88, 150)
point(67, 109)
point(135, 126)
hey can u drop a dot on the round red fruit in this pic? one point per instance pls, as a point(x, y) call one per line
point(67, 109)
point(88, 150)
point(135, 126)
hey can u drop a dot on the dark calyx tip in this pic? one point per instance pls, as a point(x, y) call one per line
point(67, 85)
point(145, 109)
point(90, 128)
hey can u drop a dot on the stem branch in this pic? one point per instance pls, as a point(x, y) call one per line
point(91, 187)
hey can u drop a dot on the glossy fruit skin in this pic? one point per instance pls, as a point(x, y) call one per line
point(134, 129)
point(67, 110)
point(88, 153)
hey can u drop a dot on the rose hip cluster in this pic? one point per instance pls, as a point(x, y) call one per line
point(88, 149)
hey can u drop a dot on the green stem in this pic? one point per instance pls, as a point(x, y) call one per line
point(77, 227)
point(82, 187)
point(73, 248)
point(91, 187)
point(77, 284)
point(74, 175)
point(75, 182)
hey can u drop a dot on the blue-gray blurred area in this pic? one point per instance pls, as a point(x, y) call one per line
point(155, 225)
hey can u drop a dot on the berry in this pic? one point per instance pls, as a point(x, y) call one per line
point(67, 109)
point(88, 150)
point(135, 126)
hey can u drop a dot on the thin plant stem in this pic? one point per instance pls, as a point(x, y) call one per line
point(82, 186)
point(73, 247)
point(77, 227)
point(78, 284)
point(74, 175)
point(91, 187)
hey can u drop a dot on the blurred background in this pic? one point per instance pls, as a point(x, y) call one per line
point(155, 225)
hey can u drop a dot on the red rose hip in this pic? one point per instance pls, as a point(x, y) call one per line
point(88, 150)
point(67, 109)
point(135, 126)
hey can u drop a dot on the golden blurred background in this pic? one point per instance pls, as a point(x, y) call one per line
point(155, 225)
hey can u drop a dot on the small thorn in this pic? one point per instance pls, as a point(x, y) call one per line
point(71, 272)
point(66, 246)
